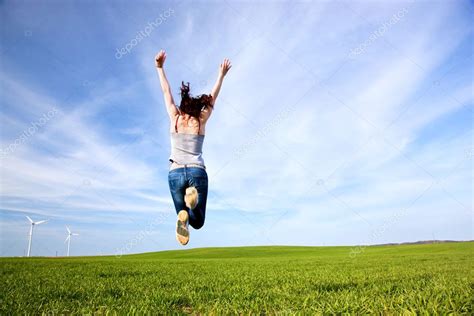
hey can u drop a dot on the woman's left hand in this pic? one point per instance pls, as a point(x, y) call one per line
point(160, 59)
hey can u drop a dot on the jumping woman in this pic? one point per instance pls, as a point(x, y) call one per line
point(187, 177)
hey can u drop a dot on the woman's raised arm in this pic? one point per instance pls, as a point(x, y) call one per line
point(223, 69)
point(165, 86)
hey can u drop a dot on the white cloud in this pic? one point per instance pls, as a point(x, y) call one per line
point(369, 173)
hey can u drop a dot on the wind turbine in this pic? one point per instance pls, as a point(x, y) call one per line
point(68, 238)
point(31, 232)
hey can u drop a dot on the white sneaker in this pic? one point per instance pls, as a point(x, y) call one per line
point(182, 230)
point(191, 197)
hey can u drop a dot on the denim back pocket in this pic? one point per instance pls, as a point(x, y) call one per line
point(174, 181)
point(200, 180)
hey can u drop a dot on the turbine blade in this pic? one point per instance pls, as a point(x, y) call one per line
point(31, 221)
point(67, 238)
point(75, 234)
point(68, 230)
point(41, 222)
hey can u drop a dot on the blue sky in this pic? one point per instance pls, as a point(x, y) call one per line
point(340, 123)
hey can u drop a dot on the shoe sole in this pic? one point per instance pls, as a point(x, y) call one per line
point(182, 231)
point(191, 197)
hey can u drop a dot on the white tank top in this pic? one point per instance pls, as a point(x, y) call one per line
point(187, 148)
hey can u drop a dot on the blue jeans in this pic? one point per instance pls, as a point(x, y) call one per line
point(181, 178)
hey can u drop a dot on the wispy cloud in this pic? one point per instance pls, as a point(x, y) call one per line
point(303, 134)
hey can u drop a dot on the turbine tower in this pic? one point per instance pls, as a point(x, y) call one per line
point(31, 232)
point(68, 239)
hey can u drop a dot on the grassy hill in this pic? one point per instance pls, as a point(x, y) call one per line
point(419, 278)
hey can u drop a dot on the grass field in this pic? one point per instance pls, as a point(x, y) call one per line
point(426, 279)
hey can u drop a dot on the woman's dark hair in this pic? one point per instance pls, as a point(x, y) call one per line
point(193, 105)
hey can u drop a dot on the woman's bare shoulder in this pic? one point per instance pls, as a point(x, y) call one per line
point(206, 113)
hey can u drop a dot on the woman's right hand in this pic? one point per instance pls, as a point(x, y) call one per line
point(160, 59)
point(224, 67)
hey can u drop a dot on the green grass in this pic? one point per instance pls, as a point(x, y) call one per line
point(422, 279)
